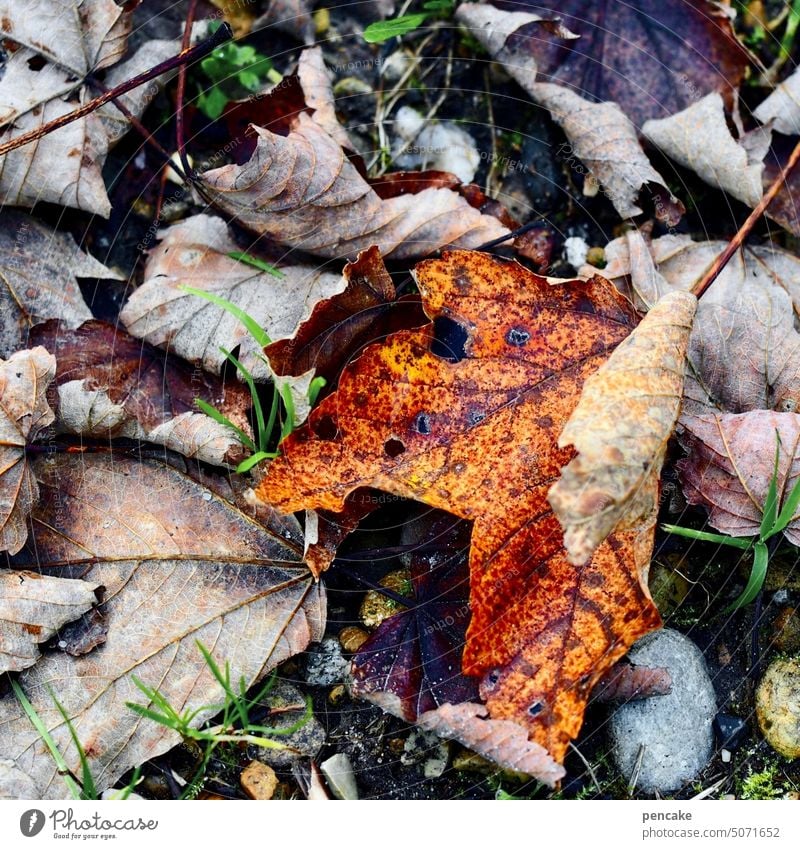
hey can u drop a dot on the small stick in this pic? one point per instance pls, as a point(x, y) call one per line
point(180, 134)
point(223, 34)
point(744, 231)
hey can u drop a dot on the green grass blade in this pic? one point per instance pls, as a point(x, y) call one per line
point(705, 536)
point(89, 789)
point(254, 460)
point(756, 580)
point(254, 329)
point(788, 510)
point(770, 513)
point(382, 31)
point(288, 403)
point(314, 388)
point(262, 434)
point(215, 414)
point(249, 259)
point(36, 722)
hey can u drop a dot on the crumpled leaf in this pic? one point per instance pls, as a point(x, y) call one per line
point(744, 351)
point(196, 253)
point(24, 411)
point(620, 429)
point(302, 191)
point(52, 48)
point(499, 740)
point(605, 141)
point(179, 564)
point(38, 271)
point(731, 463)
point(315, 82)
point(781, 109)
point(108, 384)
point(699, 138)
point(653, 59)
point(464, 415)
point(32, 609)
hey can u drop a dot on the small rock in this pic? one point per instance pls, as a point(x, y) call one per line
point(730, 731)
point(674, 729)
point(352, 638)
point(304, 742)
point(725, 756)
point(337, 695)
point(376, 607)
point(338, 772)
point(427, 748)
point(778, 707)
point(259, 781)
point(325, 664)
point(596, 256)
point(786, 629)
point(575, 251)
point(395, 65)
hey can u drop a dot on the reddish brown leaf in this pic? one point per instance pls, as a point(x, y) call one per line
point(626, 681)
point(464, 415)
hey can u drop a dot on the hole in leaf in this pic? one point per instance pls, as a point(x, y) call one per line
point(36, 63)
point(535, 709)
point(422, 424)
point(326, 428)
point(518, 337)
point(449, 339)
point(393, 448)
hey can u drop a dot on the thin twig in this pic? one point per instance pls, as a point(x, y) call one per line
point(744, 231)
point(222, 35)
point(180, 133)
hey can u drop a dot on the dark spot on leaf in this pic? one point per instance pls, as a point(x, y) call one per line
point(36, 63)
point(326, 428)
point(393, 448)
point(449, 339)
point(518, 337)
point(476, 416)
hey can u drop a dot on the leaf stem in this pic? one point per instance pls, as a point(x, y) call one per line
point(223, 34)
point(180, 133)
point(744, 231)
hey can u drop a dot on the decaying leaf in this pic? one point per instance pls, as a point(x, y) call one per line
point(499, 740)
point(52, 48)
point(699, 138)
point(626, 681)
point(744, 351)
point(731, 463)
point(605, 140)
point(303, 191)
point(464, 415)
point(14, 783)
point(24, 411)
point(620, 429)
point(179, 564)
point(110, 385)
point(653, 59)
point(32, 609)
point(39, 268)
point(781, 110)
point(196, 253)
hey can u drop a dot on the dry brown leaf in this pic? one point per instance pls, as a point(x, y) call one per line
point(731, 463)
point(315, 81)
point(605, 140)
point(302, 191)
point(626, 414)
point(24, 411)
point(179, 564)
point(699, 139)
point(464, 415)
point(195, 253)
point(39, 268)
point(500, 740)
point(32, 608)
point(52, 48)
point(744, 352)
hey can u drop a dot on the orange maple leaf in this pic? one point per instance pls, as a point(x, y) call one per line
point(475, 432)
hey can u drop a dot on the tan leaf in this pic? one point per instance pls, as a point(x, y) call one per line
point(32, 608)
point(198, 437)
point(302, 191)
point(179, 564)
point(626, 414)
point(781, 110)
point(39, 268)
point(744, 351)
point(315, 80)
point(731, 463)
point(699, 139)
point(605, 140)
point(24, 411)
point(500, 740)
point(14, 783)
